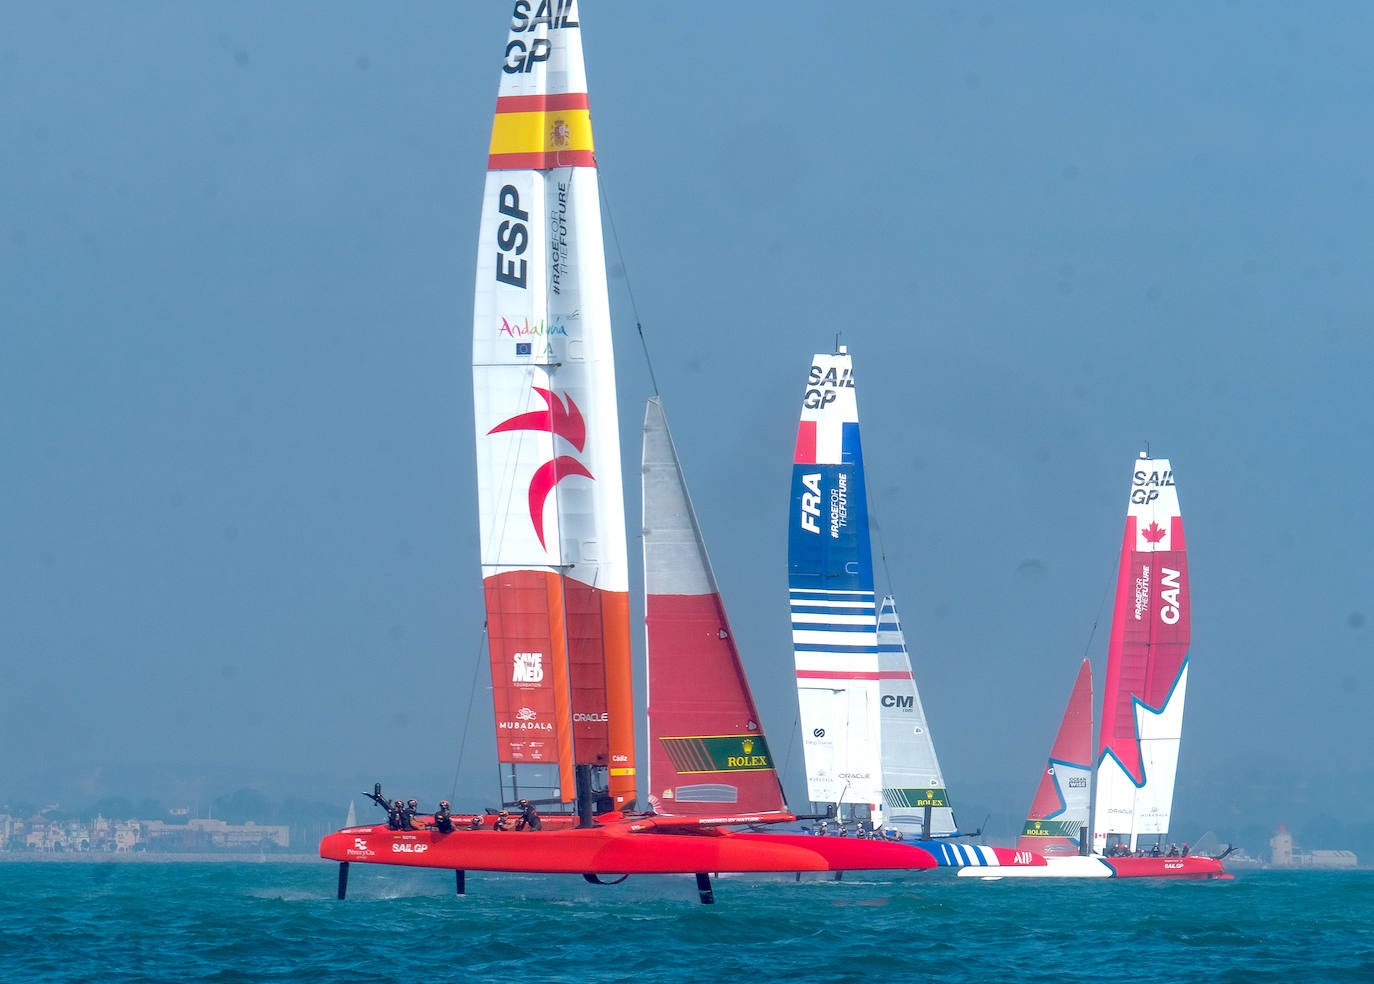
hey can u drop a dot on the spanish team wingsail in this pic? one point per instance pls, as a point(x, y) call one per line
point(553, 549)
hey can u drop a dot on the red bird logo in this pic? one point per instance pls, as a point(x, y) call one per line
point(1153, 533)
point(560, 421)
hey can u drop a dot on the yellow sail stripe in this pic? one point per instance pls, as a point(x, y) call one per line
point(561, 132)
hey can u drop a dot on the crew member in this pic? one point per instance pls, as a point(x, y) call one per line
point(529, 816)
point(443, 818)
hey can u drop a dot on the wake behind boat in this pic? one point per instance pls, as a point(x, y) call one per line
point(1125, 800)
point(554, 559)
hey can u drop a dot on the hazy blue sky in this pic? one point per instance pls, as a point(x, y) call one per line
point(237, 248)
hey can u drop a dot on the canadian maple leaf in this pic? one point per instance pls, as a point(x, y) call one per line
point(1153, 533)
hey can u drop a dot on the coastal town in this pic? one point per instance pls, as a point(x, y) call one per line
point(105, 835)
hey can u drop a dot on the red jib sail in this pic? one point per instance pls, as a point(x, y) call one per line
point(707, 753)
point(1063, 799)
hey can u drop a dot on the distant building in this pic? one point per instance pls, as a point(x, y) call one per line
point(1283, 855)
point(214, 835)
point(1281, 848)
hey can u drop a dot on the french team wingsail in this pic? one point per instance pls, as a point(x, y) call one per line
point(830, 587)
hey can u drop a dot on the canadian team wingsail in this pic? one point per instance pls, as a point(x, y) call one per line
point(1132, 779)
point(1147, 666)
point(865, 736)
point(554, 558)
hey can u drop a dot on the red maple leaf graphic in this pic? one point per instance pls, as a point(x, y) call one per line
point(560, 421)
point(1153, 533)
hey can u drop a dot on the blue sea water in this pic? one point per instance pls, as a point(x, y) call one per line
point(147, 921)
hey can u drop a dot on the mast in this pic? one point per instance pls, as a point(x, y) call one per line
point(552, 516)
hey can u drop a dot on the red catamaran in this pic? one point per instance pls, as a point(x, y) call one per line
point(554, 559)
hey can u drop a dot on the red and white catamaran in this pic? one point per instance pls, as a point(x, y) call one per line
point(1125, 799)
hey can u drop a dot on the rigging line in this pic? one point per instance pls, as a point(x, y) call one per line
point(467, 718)
point(791, 743)
point(629, 288)
point(877, 529)
point(1106, 589)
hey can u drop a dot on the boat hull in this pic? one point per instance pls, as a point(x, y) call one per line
point(618, 850)
point(950, 854)
point(1197, 868)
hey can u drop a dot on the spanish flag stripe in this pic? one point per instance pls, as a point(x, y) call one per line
point(549, 102)
point(541, 162)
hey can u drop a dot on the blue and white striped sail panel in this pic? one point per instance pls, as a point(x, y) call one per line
point(830, 581)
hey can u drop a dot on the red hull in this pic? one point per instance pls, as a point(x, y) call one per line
point(1189, 867)
point(616, 849)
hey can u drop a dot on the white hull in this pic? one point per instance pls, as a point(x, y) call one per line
point(1071, 867)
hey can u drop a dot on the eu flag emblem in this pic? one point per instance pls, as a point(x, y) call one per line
point(522, 348)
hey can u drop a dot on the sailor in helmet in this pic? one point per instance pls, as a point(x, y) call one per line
point(443, 818)
point(529, 816)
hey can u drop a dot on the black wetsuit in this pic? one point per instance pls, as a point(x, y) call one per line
point(529, 818)
point(396, 817)
point(443, 820)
